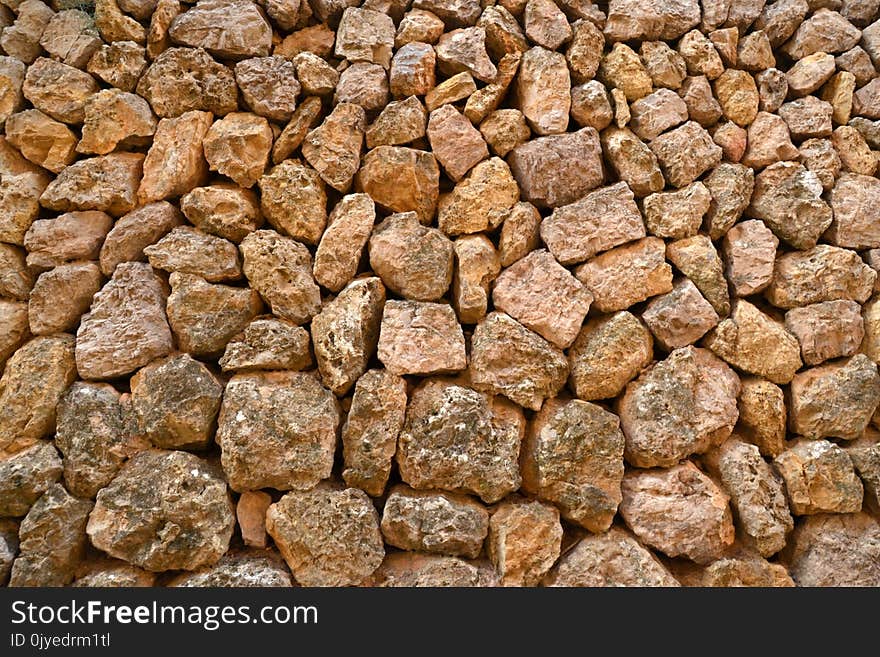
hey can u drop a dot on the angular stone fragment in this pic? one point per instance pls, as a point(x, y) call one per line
point(680, 317)
point(820, 157)
point(584, 53)
point(268, 86)
point(250, 512)
point(26, 475)
point(665, 66)
point(524, 541)
point(865, 455)
point(627, 274)
point(231, 29)
point(854, 201)
point(731, 186)
point(413, 70)
point(768, 142)
point(809, 73)
point(175, 163)
point(318, 78)
point(365, 35)
point(14, 327)
point(864, 100)
point(108, 184)
point(622, 69)
point(749, 253)
point(52, 540)
point(44, 141)
point(700, 55)
point(858, 62)
point(240, 569)
point(238, 146)
point(827, 330)
point(537, 164)
point(754, 52)
point(16, 279)
point(545, 24)
point(163, 15)
point(421, 338)
point(762, 415)
point(519, 233)
point(465, 50)
point(22, 39)
point(119, 64)
point(633, 161)
point(113, 25)
point(677, 214)
point(164, 510)
point(58, 90)
point(772, 89)
point(415, 569)
point(702, 107)
point(738, 95)
point(115, 119)
point(590, 105)
point(824, 273)
point(268, 344)
point(68, 237)
point(476, 265)
point(459, 87)
point(480, 200)
point(401, 180)
point(685, 153)
point(224, 210)
point(21, 184)
point(543, 91)
point(61, 295)
point(835, 400)
point(614, 558)
point(328, 536)
point(855, 154)
point(503, 130)
point(807, 117)
point(339, 253)
point(12, 73)
point(457, 145)
point(190, 251)
point(401, 122)
point(8, 548)
point(835, 550)
point(486, 100)
point(304, 118)
point(738, 567)
point(732, 139)
point(657, 112)
point(277, 430)
point(362, 84)
point(418, 25)
point(819, 478)
point(756, 492)
point(185, 79)
point(334, 147)
point(824, 31)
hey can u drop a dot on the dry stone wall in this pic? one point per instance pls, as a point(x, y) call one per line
point(439, 293)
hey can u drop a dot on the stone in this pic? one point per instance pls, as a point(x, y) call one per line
point(824, 31)
point(505, 129)
point(543, 296)
point(158, 39)
point(633, 161)
point(536, 166)
point(190, 251)
point(614, 558)
point(339, 252)
point(627, 274)
point(8, 548)
point(58, 90)
point(229, 29)
point(656, 113)
point(116, 119)
point(823, 273)
point(427, 521)
point(238, 146)
point(590, 105)
point(680, 317)
point(268, 86)
point(543, 90)
point(421, 338)
point(677, 214)
point(106, 184)
point(756, 494)
point(21, 184)
point(762, 415)
point(126, 327)
point(731, 186)
point(656, 19)
point(113, 25)
point(820, 157)
point(316, 39)
point(519, 233)
point(52, 540)
point(94, 436)
point(779, 20)
point(819, 478)
point(524, 541)
point(175, 163)
point(268, 343)
point(369, 435)
point(26, 476)
point(365, 35)
point(294, 200)
point(772, 89)
point(737, 94)
point(22, 39)
point(827, 330)
point(205, 317)
point(584, 53)
point(61, 295)
point(16, 279)
point(304, 118)
point(486, 100)
point(679, 511)
point(401, 122)
point(732, 139)
point(412, 260)
point(458, 87)
point(858, 62)
point(418, 25)
point(738, 567)
point(250, 512)
point(835, 550)
point(465, 50)
point(240, 569)
point(621, 68)
point(224, 210)
point(685, 153)
point(702, 107)
point(328, 536)
point(164, 510)
point(12, 73)
point(503, 34)
point(363, 84)
point(42, 140)
point(454, 13)
point(181, 80)
point(401, 180)
point(807, 117)
point(333, 148)
point(809, 73)
point(871, 319)
point(277, 430)
point(413, 70)
point(835, 400)
point(415, 569)
point(479, 201)
point(15, 327)
point(66, 238)
point(864, 100)
point(749, 250)
point(700, 55)
point(318, 78)
point(477, 264)
point(545, 24)
point(754, 52)
point(865, 455)
point(666, 67)
point(768, 142)
point(457, 145)
point(855, 154)
point(856, 222)
point(119, 64)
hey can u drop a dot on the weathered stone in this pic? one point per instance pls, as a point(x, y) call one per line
point(519, 233)
point(685, 153)
point(809, 73)
point(819, 478)
point(677, 214)
point(158, 39)
point(584, 53)
point(590, 105)
point(768, 142)
point(702, 107)
point(365, 35)
point(185, 79)
point(622, 69)
point(318, 78)
point(363, 84)
point(657, 112)
point(66, 238)
point(328, 536)
point(754, 52)
point(807, 117)
point(738, 567)
point(488, 99)
point(12, 73)
point(772, 89)
point(231, 29)
point(524, 541)
point(858, 62)
point(113, 25)
point(421, 338)
point(304, 118)
point(732, 139)
point(665, 66)
point(680, 317)
point(865, 455)
point(749, 253)
point(401, 180)
point(731, 186)
point(108, 184)
point(190, 251)
point(480, 200)
point(418, 25)
point(294, 200)
point(762, 415)
point(339, 252)
point(477, 264)
point(633, 161)
point(700, 55)
point(543, 90)
point(164, 510)
point(545, 24)
point(22, 39)
point(8, 548)
point(44, 141)
point(824, 31)
point(316, 39)
point(824, 273)
point(457, 145)
point(58, 90)
point(268, 344)
point(657, 19)
point(175, 163)
point(240, 569)
point(61, 295)
point(250, 512)
point(465, 50)
point(268, 86)
point(119, 64)
point(26, 476)
point(334, 147)
point(277, 430)
point(205, 317)
point(14, 328)
point(459, 87)
point(126, 327)
point(855, 154)
point(820, 157)
point(831, 329)
point(238, 146)
point(856, 223)
point(503, 130)
point(224, 210)
point(503, 34)
point(401, 122)
point(413, 70)
point(415, 569)
point(454, 13)
point(16, 279)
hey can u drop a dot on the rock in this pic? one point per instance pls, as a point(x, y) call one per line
point(702, 107)
point(685, 153)
point(401, 122)
point(61, 295)
point(421, 338)
point(369, 435)
point(107, 184)
point(26, 476)
point(731, 186)
point(824, 31)
point(12, 73)
point(823, 273)
point(477, 265)
point(677, 214)
point(158, 39)
point(680, 317)
point(732, 139)
point(224, 210)
point(304, 118)
point(858, 62)
point(280, 269)
point(788, 198)
point(181, 80)
point(519, 233)
point(205, 317)
point(126, 327)
point(755, 53)
point(268, 86)
point(537, 167)
point(277, 430)
point(238, 146)
point(819, 478)
point(428, 521)
point(504, 35)
point(15, 328)
point(835, 550)
point(656, 19)
point(700, 55)
point(16, 279)
point(454, 13)
point(363, 84)
point(508, 359)
point(333, 148)
point(756, 494)
point(835, 400)
point(768, 142)
point(339, 252)
point(413, 70)
point(807, 117)
point(584, 53)
point(175, 163)
point(543, 90)
point(864, 100)
point(250, 512)
point(657, 112)
point(697, 393)
point(749, 253)
point(44, 141)
point(119, 64)
point(457, 145)
point(738, 95)
point(665, 66)
point(164, 510)
point(486, 100)
point(66, 238)
point(480, 200)
point(52, 540)
point(58, 90)
point(412, 260)
point(112, 573)
point(524, 541)
point(318, 78)
point(418, 25)
point(230, 29)
point(317, 39)
point(545, 24)
point(543, 296)
point(240, 569)
point(871, 341)
point(94, 436)
point(328, 536)
point(827, 330)
point(856, 222)
point(401, 180)
point(599, 221)
point(590, 105)
point(633, 161)
point(503, 130)
point(855, 154)
point(739, 567)
point(762, 415)
point(21, 185)
point(115, 119)
point(865, 455)
point(414, 569)
point(294, 200)
point(8, 548)
point(614, 558)
point(268, 344)
point(22, 39)
point(465, 50)
point(627, 274)
point(622, 69)
point(820, 157)
point(772, 89)
point(365, 35)
point(809, 73)
point(190, 251)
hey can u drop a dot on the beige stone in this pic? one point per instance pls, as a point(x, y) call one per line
point(465, 50)
point(268, 343)
point(819, 478)
point(401, 180)
point(304, 118)
point(621, 68)
point(27, 474)
point(66, 238)
point(762, 415)
point(768, 142)
point(268, 86)
point(401, 122)
point(224, 210)
point(480, 200)
point(107, 184)
point(677, 214)
point(749, 250)
point(827, 330)
point(731, 186)
point(543, 90)
point(519, 233)
point(231, 29)
point(477, 264)
point(421, 338)
point(339, 252)
point(680, 317)
point(61, 295)
point(175, 163)
point(590, 105)
point(42, 140)
point(58, 90)
point(119, 64)
point(685, 153)
point(185, 79)
point(294, 200)
point(823, 273)
point(524, 541)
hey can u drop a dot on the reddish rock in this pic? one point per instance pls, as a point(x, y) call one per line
point(465, 50)
point(339, 252)
point(401, 180)
point(58, 90)
point(66, 238)
point(107, 184)
point(224, 210)
point(677, 214)
point(61, 295)
point(230, 29)
point(413, 70)
point(749, 253)
point(680, 317)
point(119, 64)
point(268, 344)
point(480, 200)
point(824, 273)
point(457, 145)
point(685, 153)
point(826, 330)
point(175, 163)
point(524, 541)
point(190, 251)
point(421, 338)
point(819, 478)
point(519, 233)
point(731, 187)
point(334, 147)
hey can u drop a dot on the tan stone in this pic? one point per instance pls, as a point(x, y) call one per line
point(480, 200)
point(415, 569)
point(401, 180)
point(685, 153)
point(858, 62)
point(524, 541)
point(16, 280)
point(250, 512)
point(44, 141)
point(339, 252)
point(421, 338)
point(268, 343)
point(66, 238)
point(827, 330)
point(21, 184)
point(621, 68)
point(519, 233)
point(656, 19)
point(855, 154)
point(465, 50)
point(809, 73)
point(268, 86)
point(362, 84)
point(865, 455)
point(61, 295)
point(175, 163)
point(119, 64)
point(762, 415)
point(22, 39)
point(477, 264)
point(225, 210)
point(488, 99)
point(457, 145)
point(657, 112)
point(305, 117)
point(11, 78)
point(232, 29)
point(825, 31)
point(318, 78)
point(505, 129)
point(807, 117)
point(58, 90)
point(113, 25)
point(731, 186)
point(15, 327)
point(503, 34)
point(158, 40)
point(590, 105)
point(700, 55)
point(749, 253)
point(27, 474)
point(677, 214)
point(754, 52)
point(190, 251)
point(107, 184)
point(185, 79)
point(316, 39)
point(823, 273)
point(854, 203)
point(584, 53)
point(702, 107)
point(238, 146)
point(819, 478)
point(768, 142)
point(543, 90)
point(680, 317)
point(365, 35)
point(545, 24)
point(116, 119)
point(820, 157)
point(413, 70)
point(632, 160)
point(732, 139)
point(401, 122)
point(418, 25)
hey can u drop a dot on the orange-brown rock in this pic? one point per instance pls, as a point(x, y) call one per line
point(401, 180)
point(420, 337)
point(108, 184)
point(175, 163)
point(42, 140)
point(268, 343)
point(230, 29)
point(66, 238)
point(185, 79)
point(819, 478)
point(524, 541)
point(58, 90)
point(61, 295)
point(477, 264)
point(224, 210)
